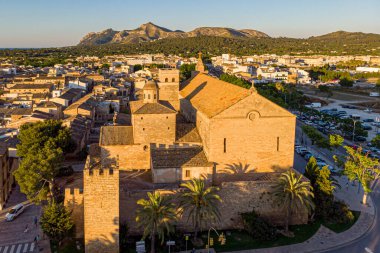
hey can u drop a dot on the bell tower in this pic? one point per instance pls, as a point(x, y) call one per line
point(150, 92)
point(200, 67)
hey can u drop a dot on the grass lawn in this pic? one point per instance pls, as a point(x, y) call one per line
point(241, 240)
point(339, 228)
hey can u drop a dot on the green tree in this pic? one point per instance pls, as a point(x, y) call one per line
point(378, 83)
point(105, 66)
point(41, 149)
point(359, 166)
point(293, 194)
point(323, 193)
point(185, 70)
point(376, 141)
point(201, 202)
point(346, 82)
point(312, 170)
point(336, 141)
point(156, 216)
point(55, 221)
point(137, 67)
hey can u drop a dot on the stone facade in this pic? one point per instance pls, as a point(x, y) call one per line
point(253, 131)
point(101, 210)
point(154, 128)
point(74, 203)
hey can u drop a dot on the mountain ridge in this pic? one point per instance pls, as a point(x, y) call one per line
point(149, 32)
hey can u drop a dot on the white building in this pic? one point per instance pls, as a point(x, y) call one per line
point(367, 69)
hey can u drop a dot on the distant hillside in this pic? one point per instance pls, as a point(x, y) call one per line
point(150, 31)
point(347, 36)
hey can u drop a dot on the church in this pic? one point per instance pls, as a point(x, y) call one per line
point(203, 127)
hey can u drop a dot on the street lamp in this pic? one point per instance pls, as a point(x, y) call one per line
point(353, 132)
point(222, 238)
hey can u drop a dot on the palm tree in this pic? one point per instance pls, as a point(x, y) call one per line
point(201, 203)
point(294, 194)
point(156, 215)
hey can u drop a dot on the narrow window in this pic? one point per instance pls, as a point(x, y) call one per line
point(187, 173)
point(141, 117)
point(166, 80)
point(148, 96)
point(278, 143)
point(173, 79)
point(143, 129)
point(154, 96)
point(225, 145)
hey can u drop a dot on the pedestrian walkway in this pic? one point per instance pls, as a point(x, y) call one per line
point(19, 248)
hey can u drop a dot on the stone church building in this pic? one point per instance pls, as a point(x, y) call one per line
point(203, 127)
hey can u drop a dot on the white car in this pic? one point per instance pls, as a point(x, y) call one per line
point(14, 212)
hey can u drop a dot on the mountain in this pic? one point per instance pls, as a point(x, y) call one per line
point(343, 35)
point(150, 31)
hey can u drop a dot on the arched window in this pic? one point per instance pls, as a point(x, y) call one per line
point(166, 80)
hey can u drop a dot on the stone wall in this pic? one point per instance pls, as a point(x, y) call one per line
point(101, 210)
point(129, 156)
point(74, 203)
point(154, 128)
point(238, 197)
point(178, 175)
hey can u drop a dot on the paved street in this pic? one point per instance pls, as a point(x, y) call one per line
point(371, 241)
point(13, 239)
point(348, 193)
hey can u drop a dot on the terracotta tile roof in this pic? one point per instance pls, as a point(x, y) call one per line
point(32, 86)
point(16, 111)
point(211, 95)
point(116, 135)
point(179, 157)
point(139, 107)
point(187, 133)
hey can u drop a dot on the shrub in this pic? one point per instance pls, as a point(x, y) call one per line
point(340, 213)
point(65, 171)
point(257, 227)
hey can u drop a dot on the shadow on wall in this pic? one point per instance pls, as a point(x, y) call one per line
point(237, 168)
point(280, 169)
point(104, 243)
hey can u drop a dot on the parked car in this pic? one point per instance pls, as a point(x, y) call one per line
point(308, 155)
point(14, 212)
point(360, 138)
point(301, 150)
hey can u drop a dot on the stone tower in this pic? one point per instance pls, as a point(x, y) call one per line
point(150, 92)
point(101, 210)
point(200, 67)
point(168, 84)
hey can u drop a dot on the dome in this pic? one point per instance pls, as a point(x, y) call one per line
point(150, 85)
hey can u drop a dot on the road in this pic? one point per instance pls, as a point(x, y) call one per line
point(370, 243)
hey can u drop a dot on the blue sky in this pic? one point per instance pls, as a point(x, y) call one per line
point(48, 23)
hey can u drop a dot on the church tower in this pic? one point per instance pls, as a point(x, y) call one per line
point(200, 67)
point(150, 92)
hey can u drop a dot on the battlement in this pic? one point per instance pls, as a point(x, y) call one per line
point(101, 172)
point(73, 192)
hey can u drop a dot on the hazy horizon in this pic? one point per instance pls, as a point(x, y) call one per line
point(43, 23)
